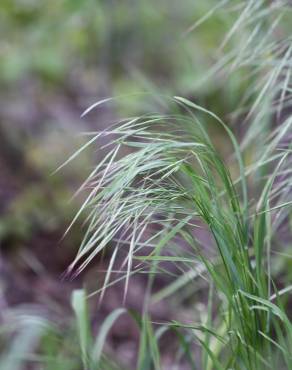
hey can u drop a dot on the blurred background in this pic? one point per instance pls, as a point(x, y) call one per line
point(57, 57)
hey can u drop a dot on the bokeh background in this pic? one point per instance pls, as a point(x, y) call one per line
point(57, 57)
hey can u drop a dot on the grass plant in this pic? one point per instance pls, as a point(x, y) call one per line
point(163, 180)
point(172, 183)
point(163, 183)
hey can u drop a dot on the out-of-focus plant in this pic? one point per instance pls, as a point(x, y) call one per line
point(29, 339)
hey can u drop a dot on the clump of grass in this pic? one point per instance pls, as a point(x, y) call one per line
point(172, 180)
point(160, 183)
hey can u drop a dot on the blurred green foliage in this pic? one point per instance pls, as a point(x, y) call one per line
point(52, 39)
